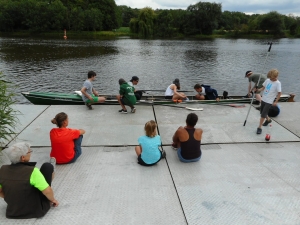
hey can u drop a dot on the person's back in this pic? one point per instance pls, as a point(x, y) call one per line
point(127, 92)
point(187, 140)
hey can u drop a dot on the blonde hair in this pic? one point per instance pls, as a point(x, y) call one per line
point(273, 74)
point(150, 128)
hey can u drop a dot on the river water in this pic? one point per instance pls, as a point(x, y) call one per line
point(62, 65)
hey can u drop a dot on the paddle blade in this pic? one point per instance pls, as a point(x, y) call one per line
point(194, 109)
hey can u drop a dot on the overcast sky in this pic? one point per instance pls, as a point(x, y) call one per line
point(247, 6)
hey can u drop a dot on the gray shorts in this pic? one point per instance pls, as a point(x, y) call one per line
point(264, 109)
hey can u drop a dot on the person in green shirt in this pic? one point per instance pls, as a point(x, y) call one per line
point(126, 96)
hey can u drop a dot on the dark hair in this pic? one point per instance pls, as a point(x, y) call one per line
point(91, 74)
point(121, 81)
point(191, 119)
point(247, 72)
point(59, 119)
point(177, 83)
point(197, 86)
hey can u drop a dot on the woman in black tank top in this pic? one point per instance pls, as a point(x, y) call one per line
point(189, 149)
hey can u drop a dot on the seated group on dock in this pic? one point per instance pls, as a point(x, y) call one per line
point(27, 189)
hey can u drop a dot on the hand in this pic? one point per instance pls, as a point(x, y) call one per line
point(274, 104)
point(217, 99)
point(55, 203)
point(249, 95)
point(90, 98)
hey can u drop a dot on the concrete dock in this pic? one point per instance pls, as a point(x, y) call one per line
point(240, 179)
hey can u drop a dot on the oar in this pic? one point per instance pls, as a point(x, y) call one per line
point(164, 90)
point(258, 83)
point(181, 107)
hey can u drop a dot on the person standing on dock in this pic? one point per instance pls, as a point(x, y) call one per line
point(205, 92)
point(25, 188)
point(134, 81)
point(253, 77)
point(126, 96)
point(272, 91)
point(187, 140)
point(89, 94)
point(65, 142)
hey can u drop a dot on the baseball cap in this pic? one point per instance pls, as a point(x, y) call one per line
point(134, 78)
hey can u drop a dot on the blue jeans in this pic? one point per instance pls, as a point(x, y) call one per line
point(77, 148)
point(186, 160)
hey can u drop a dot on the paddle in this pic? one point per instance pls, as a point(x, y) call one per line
point(182, 107)
point(258, 82)
point(164, 90)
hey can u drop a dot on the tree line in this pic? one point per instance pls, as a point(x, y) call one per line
point(202, 18)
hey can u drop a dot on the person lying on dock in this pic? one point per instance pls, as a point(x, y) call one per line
point(89, 94)
point(126, 96)
point(134, 81)
point(26, 189)
point(172, 93)
point(187, 140)
point(65, 142)
point(253, 77)
point(148, 151)
point(272, 91)
point(205, 92)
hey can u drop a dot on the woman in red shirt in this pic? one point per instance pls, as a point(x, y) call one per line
point(65, 142)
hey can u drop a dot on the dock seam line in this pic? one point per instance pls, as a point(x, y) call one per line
point(170, 170)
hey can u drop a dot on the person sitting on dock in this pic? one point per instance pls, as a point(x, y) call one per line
point(89, 94)
point(134, 81)
point(187, 140)
point(271, 96)
point(65, 142)
point(148, 151)
point(172, 93)
point(252, 77)
point(205, 92)
point(126, 96)
point(26, 189)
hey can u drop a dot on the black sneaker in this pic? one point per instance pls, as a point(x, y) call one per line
point(259, 130)
point(123, 111)
point(133, 110)
point(89, 106)
point(267, 122)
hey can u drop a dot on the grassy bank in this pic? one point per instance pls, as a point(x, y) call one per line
point(125, 31)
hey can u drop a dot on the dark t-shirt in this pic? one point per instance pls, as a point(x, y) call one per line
point(190, 149)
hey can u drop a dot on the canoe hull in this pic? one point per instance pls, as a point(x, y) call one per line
point(45, 98)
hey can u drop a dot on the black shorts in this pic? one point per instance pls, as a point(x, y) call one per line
point(125, 103)
point(264, 109)
point(141, 161)
point(168, 97)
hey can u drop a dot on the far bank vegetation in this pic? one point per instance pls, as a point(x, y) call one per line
point(203, 19)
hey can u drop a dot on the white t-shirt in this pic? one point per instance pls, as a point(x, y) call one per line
point(202, 92)
point(271, 90)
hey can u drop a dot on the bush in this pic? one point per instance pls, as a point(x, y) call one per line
point(8, 119)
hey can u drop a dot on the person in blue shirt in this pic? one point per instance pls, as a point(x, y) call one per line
point(205, 92)
point(148, 151)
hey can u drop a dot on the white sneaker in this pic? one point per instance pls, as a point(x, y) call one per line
point(133, 110)
point(187, 99)
point(53, 162)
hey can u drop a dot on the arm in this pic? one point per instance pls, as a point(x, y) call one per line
point(175, 91)
point(176, 135)
point(48, 192)
point(95, 92)
point(82, 131)
point(1, 193)
point(83, 91)
point(216, 94)
point(277, 99)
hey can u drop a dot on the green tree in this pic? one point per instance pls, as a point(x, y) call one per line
point(273, 22)
point(204, 17)
point(127, 14)
point(164, 23)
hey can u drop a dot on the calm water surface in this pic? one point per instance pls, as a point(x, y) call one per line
point(62, 65)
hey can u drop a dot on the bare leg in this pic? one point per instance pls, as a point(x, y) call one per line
point(138, 150)
point(120, 102)
point(261, 122)
point(200, 97)
point(178, 97)
point(101, 99)
point(258, 97)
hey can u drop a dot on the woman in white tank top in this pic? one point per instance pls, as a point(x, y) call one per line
point(171, 92)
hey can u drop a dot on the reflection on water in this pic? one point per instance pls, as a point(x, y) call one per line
point(62, 65)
